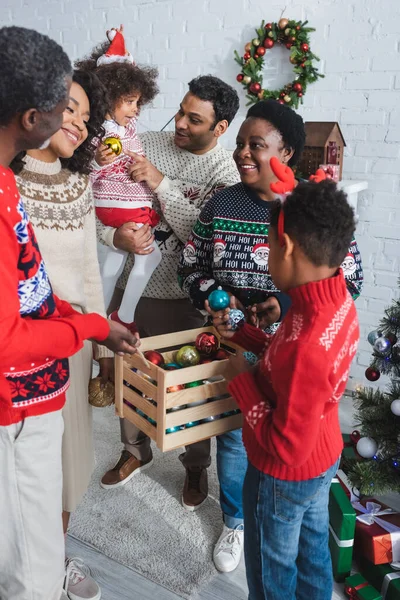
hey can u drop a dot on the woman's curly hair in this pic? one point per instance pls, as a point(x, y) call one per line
point(80, 161)
point(121, 79)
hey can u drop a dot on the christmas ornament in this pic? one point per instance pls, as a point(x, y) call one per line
point(187, 356)
point(372, 374)
point(287, 99)
point(218, 299)
point(250, 357)
point(355, 436)
point(255, 88)
point(205, 361)
point(101, 395)
point(175, 429)
point(239, 77)
point(172, 366)
point(114, 144)
point(221, 354)
point(367, 447)
point(211, 419)
point(294, 35)
point(193, 384)
point(373, 336)
point(154, 357)
point(395, 407)
point(191, 424)
point(382, 346)
point(207, 343)
point(236, 319)
point(175, 388)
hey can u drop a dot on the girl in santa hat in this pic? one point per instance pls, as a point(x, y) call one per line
point(118, 198)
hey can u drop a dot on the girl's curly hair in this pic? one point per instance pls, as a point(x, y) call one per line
point(80, 161)
point(121, 79)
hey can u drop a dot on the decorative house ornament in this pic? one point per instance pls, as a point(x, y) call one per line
point(324, 148)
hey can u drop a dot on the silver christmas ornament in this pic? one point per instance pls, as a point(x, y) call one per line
point(382, 345)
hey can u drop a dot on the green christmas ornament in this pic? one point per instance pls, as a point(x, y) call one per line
point(187, 356)
point(193, 384)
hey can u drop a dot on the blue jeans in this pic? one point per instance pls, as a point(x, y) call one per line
point(231, 468)
point(286, 537)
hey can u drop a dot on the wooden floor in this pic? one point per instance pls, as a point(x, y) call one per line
point(118, 582)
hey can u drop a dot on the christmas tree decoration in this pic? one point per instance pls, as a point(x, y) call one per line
point(250, 357)
point(172, 366)
point(367, 447)
point(373, 336)
point(294, 35)
point(101, 394)
point(392, 338)
point(193, 384)
point(236, 319)
point(187, 356)
point(218, 299)
point(207, 343)
point(382, 346)
point(114, 144)
point(175, 388)
point(395, 407)
point(154, 357)
point(372, 374)
point(221, 354)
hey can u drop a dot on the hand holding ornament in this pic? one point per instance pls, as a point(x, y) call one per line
point(104, 155)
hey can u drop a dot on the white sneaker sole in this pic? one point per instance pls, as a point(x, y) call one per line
point(192, 508)
point(111, 486)
point(225, 569)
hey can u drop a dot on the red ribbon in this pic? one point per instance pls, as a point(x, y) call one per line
point(351, 590)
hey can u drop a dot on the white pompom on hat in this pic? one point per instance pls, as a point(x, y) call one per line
point(116, 51)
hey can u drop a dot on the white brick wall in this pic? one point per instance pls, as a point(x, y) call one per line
point(358, 43)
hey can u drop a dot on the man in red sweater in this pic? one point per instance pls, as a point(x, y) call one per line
point(290, 399)
point(37, 332)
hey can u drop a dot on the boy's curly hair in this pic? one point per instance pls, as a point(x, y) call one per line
point(320, 219)
point(80, 161)
point(121, 79)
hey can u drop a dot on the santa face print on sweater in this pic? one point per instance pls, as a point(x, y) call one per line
point(189, 253)
point(260, 255)
point(219, 250)
point(349, 265)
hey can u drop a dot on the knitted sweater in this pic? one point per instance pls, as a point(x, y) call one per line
point(60, 207)
point(113, 188)
point(229, 247)
point(37, 330)
point(189, 181)
point(290, 399)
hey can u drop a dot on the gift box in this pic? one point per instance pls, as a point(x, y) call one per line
point(342, 522)
point(377, 532)
point(349, 451)
point(358, 588)
point(382, 577)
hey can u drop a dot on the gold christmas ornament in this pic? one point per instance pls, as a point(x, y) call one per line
point(260, 95)
point(114, 144)
point(247, 47)
point(282, 23)
point(256, 42)
point(101, 396)
point(246, 79)
point(287, 31)
point(287, 98)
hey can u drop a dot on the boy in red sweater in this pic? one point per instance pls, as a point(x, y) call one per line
point(37, 332)
point(290, 398)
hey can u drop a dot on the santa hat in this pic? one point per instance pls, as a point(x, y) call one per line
point(219, 242)
point(349, 255)
point(259, 246)
point(190, 245)
point(116, 51)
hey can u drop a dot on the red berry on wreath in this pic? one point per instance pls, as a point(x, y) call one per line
point(298, 27)
point(268, 43)
point(297, 87)
point(239, 77)
point(246, 56)
point(305, 47)
point(303, 65)
point(292, 39)
point(260, 51)
point(268, 26)
point(282, 94)
point(289, 45)
point(255, 88)
point(300, 94)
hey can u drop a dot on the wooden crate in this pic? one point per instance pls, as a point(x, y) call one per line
point(146, 391)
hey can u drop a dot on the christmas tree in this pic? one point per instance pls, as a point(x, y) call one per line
point(377, 415)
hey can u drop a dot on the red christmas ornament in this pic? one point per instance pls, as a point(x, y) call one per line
point(268, 43)
point(175, 388)
point(299, 95)
point(292, 39)
point(205, 361)
point(281, 102)
point(355, 436)
point(255, 88)
point(239, 77)
point(282, 94)
point(268, 26)
point(221, 354)
point(305, 47)
point(297, 87)
point(260, 51)
point(207, 343)
point(372, 374)
point(154, 357)
point(303, 65)
point(298, 27)
point(289, 45)
point(247, 55)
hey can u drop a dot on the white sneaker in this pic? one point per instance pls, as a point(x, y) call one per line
point(79, 585)
point(228, 549)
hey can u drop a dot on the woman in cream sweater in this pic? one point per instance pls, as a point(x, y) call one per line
point(57, 196)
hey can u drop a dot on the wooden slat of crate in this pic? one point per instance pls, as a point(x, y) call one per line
point(195, 394)
point(119, 387)
point(197, 413)
point(197, 373)
point(200, 432)
point(136, 400)
point(140, 422)
point(142, 384)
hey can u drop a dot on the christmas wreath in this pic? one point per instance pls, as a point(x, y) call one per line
point(295, 36)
